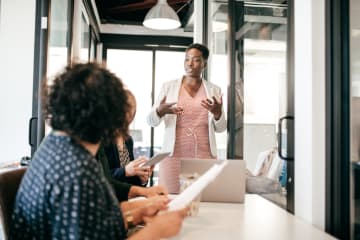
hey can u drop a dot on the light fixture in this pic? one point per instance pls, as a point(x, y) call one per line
point(219, 26)
point(162, 17)
point(219, 20)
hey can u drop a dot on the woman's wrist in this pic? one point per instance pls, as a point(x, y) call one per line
point(217, 116)
point(133, 217)
point(144, 183)
point(129, 219)
point(149, 232)
point(158, 112)
point(135, 191)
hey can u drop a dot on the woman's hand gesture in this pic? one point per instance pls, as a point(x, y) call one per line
point(168, 108)
point(213, 105)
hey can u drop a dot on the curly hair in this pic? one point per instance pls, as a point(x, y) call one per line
point(202, 48)
point(88, 102)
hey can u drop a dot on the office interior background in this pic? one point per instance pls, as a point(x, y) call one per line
point(289, 71)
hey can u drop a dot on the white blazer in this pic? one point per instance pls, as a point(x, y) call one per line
point(171, 90)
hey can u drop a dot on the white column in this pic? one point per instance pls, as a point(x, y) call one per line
point(310, 111)
point(76, 37)
point(99, 53)
point(17, 33)
point(198, 21)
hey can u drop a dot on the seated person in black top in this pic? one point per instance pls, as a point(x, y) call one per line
point(121, 158)
point(64, 193)
point(123, 190)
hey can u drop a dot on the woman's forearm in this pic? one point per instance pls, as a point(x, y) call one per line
point(148, 232)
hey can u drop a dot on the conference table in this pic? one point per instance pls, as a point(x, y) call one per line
point(257, 218)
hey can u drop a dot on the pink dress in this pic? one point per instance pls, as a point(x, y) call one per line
point(192, 138)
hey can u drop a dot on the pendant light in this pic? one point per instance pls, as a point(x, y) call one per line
point(161, 17)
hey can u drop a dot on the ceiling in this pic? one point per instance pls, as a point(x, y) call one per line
point(259, 15)
point(132, 12)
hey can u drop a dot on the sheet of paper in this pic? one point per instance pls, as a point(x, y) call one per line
point(190, 193)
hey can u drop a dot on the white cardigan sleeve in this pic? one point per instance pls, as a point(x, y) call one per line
point(153, 118)
point(220, 125)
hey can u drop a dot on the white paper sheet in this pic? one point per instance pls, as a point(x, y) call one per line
point(190, 193)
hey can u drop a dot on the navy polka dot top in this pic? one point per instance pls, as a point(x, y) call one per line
point(64, 195)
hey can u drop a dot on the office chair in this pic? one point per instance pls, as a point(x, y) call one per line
point(9, 183)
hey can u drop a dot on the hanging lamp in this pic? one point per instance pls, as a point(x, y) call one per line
point(161, 17)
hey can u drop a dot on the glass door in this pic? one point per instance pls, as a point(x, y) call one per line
point(218, 36)
point(58, 43)
point(125, 64)
point(165, 72)
point(355, 116)
point(257, 91)
point(155, 70)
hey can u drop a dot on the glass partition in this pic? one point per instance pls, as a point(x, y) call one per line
point(58, 45)
point(85, 39)
point(260, 86)
point(218, 60)
point(355, 114)
point(165, 72)
point(125, 64)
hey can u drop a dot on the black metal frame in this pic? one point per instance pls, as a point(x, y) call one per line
point(92, 19)
point(205, 32)
point(94, 28)
point(124, 41)
point(70, 29)
point(205, 25)
point(36, 131)
point(290, 111)
point(337, 119)
point(232, 76)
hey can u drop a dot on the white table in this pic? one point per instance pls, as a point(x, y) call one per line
point(257, 218)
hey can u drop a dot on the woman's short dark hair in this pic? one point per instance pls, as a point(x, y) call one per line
point(202, 48)
point(88, 102)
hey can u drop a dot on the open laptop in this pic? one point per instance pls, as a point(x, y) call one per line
point(229, 186)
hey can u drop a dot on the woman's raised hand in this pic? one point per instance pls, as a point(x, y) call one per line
point(168, 108)
point(213, 105)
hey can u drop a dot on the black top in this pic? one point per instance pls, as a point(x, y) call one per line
point(65, 195)
point(118, 172)
point(121, 189)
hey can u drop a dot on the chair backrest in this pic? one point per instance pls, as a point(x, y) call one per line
point(9, 183)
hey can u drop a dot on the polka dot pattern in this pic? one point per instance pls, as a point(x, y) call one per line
point(64, 195)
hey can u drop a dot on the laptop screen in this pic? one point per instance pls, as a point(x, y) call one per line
point(229, 186)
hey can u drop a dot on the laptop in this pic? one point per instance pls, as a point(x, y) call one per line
point(229, 186)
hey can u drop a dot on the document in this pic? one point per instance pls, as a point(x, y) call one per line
point(190, 193)
point(156, 159)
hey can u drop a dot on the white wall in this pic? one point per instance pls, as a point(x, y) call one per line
point(310, 111)
point(17, 26)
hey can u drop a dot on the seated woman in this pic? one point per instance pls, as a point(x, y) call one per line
point(123, 190)
point(121, 158)
point(64, 193)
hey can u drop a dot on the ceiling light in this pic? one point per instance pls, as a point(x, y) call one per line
point(219, 26)
point(162, 17)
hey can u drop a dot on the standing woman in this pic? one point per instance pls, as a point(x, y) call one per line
point(121, 157)
point(192, 111)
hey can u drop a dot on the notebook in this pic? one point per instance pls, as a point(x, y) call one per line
point(229, 186)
